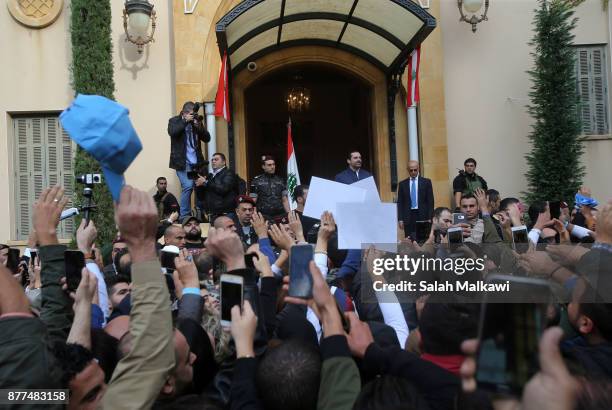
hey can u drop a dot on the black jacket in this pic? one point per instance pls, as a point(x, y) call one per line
point(219, 193)
point(178, 143)
point(425, 200)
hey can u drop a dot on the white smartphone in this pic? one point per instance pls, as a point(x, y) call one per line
point(231, 295)
point(520, 238)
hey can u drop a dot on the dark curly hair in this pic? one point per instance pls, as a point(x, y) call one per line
point(72, 358)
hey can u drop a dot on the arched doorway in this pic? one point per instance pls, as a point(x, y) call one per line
point(337, 120)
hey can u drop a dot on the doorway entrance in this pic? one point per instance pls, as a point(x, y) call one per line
point(339, 119)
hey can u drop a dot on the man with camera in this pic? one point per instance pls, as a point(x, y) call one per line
point(186, 133)
point(218, 190)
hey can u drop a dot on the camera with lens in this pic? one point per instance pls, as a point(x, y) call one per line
point(196, 109)
point(89, 179)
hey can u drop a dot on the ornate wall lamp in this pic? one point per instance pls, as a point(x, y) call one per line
point(137, 15)
point(473, 6)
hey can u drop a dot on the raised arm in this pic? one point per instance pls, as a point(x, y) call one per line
point(176, 126)
point(56, 310)
point(140, 375)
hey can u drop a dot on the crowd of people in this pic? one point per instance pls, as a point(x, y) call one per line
point(136, 335)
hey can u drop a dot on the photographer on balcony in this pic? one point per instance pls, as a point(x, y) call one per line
point(186, 132)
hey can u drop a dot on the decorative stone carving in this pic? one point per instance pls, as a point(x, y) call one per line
point(35, 13)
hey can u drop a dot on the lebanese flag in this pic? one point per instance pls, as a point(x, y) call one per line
point(222, 98)
point(414, 62)
point(293, 174)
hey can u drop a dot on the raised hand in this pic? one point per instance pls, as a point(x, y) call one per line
point(187, 271)
point(260, 225)
point(136, 218)
point(322, 303)
point(359, 336)
point(280, 237)
point(46, 214)
point(481, 197)
point(227, 246)
point(85, 236)
point(296, 226)
point(243, 328)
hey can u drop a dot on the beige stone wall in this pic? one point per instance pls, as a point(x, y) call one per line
point(486, 91)
point(34, 77)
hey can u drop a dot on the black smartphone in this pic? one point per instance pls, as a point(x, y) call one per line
point(555, 209)
point(232, 291)
point(300, 278)
point(248, 260)
point(520, 239)
point(33, 258)
point(167, 260)
point(459, 218)
point(423, 229)
point(511, 324)
point(74, 263)
point(455, 237)
point(192, 174)
point(12, 261)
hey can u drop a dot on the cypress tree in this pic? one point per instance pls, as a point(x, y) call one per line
point(92, 73)
point(555, 171)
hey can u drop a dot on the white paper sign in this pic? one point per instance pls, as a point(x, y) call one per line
point(323, 195)
point(371, 189)
point(367, 222)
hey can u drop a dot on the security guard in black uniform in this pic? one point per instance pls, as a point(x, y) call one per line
point(270, 191)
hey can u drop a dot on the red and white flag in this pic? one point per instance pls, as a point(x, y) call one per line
point(293, 174)
point(222, 99)
point(414, 61)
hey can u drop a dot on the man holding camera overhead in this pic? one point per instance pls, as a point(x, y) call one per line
point(186, 131)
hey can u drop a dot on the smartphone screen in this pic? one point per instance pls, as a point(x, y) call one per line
point(248, 260)
point(231, 295)
point(12, 262)
point(33, 258)
point(167, 260)
point(520, 239)
point(455, 235)
point(459, 218)
point(75, 262)
point(509, 334)
point(555, 209)
point(423, 229)
point(300, 278)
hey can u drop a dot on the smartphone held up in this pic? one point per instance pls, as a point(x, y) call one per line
point(232, 294)
point(300, 278)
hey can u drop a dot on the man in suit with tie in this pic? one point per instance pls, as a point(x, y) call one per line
point(415, 201)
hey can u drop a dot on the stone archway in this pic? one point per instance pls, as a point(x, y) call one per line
point(339, 60)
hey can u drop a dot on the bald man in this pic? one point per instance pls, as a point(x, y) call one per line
point(175, 235)
point(415, 201)
point(224, 222)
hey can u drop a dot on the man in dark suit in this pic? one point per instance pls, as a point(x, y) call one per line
point(354, 172)
point(218, 190)
point(415, 201)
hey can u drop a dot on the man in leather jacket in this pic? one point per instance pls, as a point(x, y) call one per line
point(218, 189)
point(270, 190)
point(186, 134)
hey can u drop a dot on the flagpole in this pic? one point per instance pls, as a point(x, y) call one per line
point(413, 133)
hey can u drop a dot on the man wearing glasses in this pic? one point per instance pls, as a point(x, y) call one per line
point(415, 201)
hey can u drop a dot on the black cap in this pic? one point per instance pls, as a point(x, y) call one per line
point(188, 218)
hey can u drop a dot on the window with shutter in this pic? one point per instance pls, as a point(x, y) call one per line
point(592, 86)
point(42, 157)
